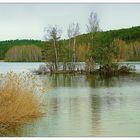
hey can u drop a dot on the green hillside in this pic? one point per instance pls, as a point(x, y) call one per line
point(129, 37)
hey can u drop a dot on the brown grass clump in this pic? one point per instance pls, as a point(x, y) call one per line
point(20, 99)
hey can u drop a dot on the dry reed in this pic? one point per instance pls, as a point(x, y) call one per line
point(20, 99)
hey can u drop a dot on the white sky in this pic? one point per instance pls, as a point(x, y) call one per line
point(27, 21)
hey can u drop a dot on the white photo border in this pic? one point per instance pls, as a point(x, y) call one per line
point(68, 1)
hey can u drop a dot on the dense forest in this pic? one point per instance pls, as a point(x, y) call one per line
point(118, 45)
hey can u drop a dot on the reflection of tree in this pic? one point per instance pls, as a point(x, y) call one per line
point(106, 81)
point(91, 80)
point(99, 81)
point(63, 80)
point(96, 105)
point(73, 104)
point(94, 81)
point(74, 111)
point(67, 80)
point(102, 98)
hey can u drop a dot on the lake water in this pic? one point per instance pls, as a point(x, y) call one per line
point(85, 105)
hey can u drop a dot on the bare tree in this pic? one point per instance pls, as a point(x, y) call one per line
point(93, 23)
point(69, 33)
point(53, 33)
point(92, 28)
point(73, 31)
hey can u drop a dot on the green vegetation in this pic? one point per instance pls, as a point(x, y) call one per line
point(128, 41)
point(96, 46)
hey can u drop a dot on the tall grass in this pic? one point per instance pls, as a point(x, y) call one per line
point(21, 99)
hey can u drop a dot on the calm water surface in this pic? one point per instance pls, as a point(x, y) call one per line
point(81, 105)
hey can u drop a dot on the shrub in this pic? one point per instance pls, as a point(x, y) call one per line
point(21, 99)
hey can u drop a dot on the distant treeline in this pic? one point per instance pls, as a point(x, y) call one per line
point(126, 40)
point(8, 44)
point(27, 53)
point(128, 35)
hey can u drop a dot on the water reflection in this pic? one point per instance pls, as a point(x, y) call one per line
point(66, 80)
point(95, 112)
point(88, 105)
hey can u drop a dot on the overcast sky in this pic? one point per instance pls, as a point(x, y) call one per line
point(27, 21)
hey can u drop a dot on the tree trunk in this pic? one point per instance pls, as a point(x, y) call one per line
point(56, 56)
point(69, 49)
point(74, 54)
point(74, 50)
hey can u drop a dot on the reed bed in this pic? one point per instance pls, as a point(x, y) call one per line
point(21, 99)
